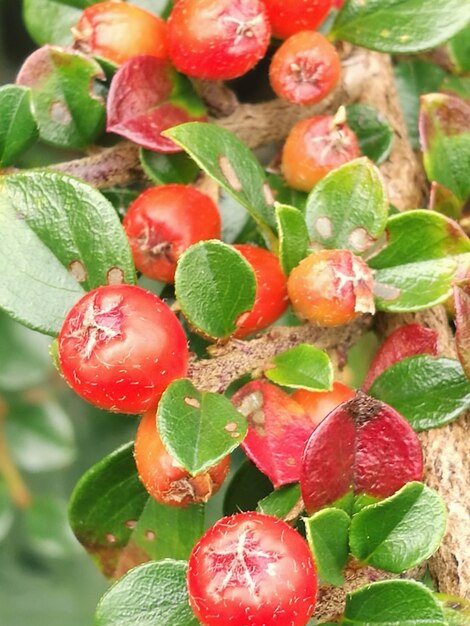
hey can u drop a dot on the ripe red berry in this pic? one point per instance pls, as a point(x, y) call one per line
point(164, 479)
point(314, 147)
point(305, 68)
point(271, 290)
point(120, 346)
point(163, 221)
point(288, 17)
point(120, 30)
point(252, 569)
point(317, 404)
point(331, 287)
point(217, 39)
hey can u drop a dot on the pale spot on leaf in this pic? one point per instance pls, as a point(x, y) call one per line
point(268, 194)
point(324, 227)
point(78, 271)
point(231, 427)
point(150, 535)
point(359, 239)
point(386, 292)
point(115, 276)
point(192, 402)
point(229, 173)
point(59, 112)
point(110, 538)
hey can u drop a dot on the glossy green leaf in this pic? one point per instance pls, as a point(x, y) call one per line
point(444, 126)
point(47, 527)
point(392, 603)
point(224, 287)
point(118, 523)
point(456, 610)
point(228, 161)
point(456, 86)
point(59, 236)
point(417, 266)
point(235, 218)
point(459, 50)
point(281, 502)
point(413, 78)
point(442, 200)
point(303, 366)
point(247, 488)
point(327, 535)
point(362, 500)
point(283, 194)
point(150, 594)
point(50, 21)
point(163, 169)
point(40, 436)
point(400, 26)
point(68, 112)
point(348, 208)
point(6, 510)
point(428, 391)
point(18, 128)
point(293, 236)
point(400, 531)
point(198, 428)
point(24, 361)
point(372, 129)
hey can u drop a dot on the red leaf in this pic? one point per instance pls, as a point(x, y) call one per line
point(405, 341)
point(146, 97)
point(462, 324)
point(278, 429)
point(363, 445)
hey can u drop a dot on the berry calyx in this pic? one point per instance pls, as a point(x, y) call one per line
point(163, 222)
point(314, 147)
point(305, 68)
point(119, 30)
point(252, 568)
point(164, 478)
point(120, 346)
point(271, 290)
point(331, 287)
point(217, 39)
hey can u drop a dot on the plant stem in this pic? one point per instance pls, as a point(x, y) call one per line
point(16, 486)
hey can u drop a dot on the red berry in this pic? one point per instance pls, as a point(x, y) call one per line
point(271, 290)
point(331, 287)
point(163, 221)
point(217, 39)
point(318, 404)
point(252, 569)
point(164, 479)
point(288, 17)
point(120, 346)
point(305, 68)
point(119, 30)
point(314, 147)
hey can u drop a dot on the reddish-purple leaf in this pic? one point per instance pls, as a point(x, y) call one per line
point(405, 341)
point(147, 96)
point(462, 324)
point(363, 445)
point(278, 429)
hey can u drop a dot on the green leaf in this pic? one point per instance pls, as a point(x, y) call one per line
point(428, 391)
point(235, 218)
point(456, 610)
point(198, 428)
point(444, 126)
point(47, 527)
point(417, 266)
point(372, 129)
point(348, 208)
point(229, 162)
point(392, 603)
point(400, 531)
point(284, 194)
point(246, 489)
point(414, 78)
point(6, 510)
point(24, 362)
point(151, 594)
point(224, 287)
point(456, 86)
point(327, 535)
point(303, 366)
point(400, 26)
point(444, 201)
point(459, 50)
point(40, 436)
point(59, 236)
point(163, 169)
point(293, 236)
point(18, 128)
point(69, 114)
point(118, 523)
point(281, 501)
point(50, 21)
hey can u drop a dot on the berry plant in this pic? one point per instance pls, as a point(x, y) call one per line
point(213, 210)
